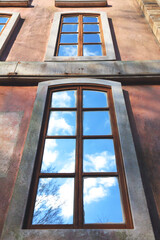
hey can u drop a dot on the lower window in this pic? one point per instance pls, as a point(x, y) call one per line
point(79, 179)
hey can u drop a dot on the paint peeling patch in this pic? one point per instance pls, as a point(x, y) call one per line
point(9, 129)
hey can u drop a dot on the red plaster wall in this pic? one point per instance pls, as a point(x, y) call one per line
point(133, 35)
point(17, 100)
point(143, 105)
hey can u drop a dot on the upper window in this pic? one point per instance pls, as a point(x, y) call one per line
point(80, 178)
point(80, 3)
point(8, 22)
point(14, 3)
point(80, 36)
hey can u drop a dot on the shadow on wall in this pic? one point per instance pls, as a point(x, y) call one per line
point(117, 53)
point(143, 169)
point(11, 41)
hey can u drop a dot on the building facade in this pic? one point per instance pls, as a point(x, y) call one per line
point(79, 119)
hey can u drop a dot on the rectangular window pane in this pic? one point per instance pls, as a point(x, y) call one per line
point(92, 50)
point(54, 201)
point(91, 38)
point(64, 99)
point(1, 27)
point(70, 28)
point(99, 155)
point(70, 19)
point(96, 123)
point(3, 19)
point(59, 156)
point(68, 50)
point(90, 19)
point(94, 99)
point(69, 38)
point(102, 202)
point(90, 28)
point(62, 123)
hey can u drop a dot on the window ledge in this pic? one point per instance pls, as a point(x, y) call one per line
point(79, 3)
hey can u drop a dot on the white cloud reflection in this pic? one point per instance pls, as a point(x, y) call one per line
point(61, 99)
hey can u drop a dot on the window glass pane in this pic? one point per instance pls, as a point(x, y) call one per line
point(96, 123)
point(91, 38)
point(1, 27)
point(102, 203)
point(62, 123)
point(94, 99)
point(90, 19)
point(68, 50)
point(70, 19)
point(70, 28)
point(3, 19)
point(99, 155)
point(59, 156)
point(54, 201)
point(92, 50)
point(90, 27)
point(69, 38)
point(64, 99)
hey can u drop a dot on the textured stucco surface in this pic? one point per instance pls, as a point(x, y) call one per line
point(133, 38)
point(144, 111)
point(16, 108)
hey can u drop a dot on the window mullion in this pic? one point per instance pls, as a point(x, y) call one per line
point(80, 37)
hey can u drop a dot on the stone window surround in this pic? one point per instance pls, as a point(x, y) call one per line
point(80, 3)
point(14, 3)
point(142, 226)
point(9, 28)
point(51, 48)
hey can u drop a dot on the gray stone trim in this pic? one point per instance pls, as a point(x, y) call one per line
point(8, 29)
point(80, 3)
point(50, 52)
point(142, 226)
point(126, 72)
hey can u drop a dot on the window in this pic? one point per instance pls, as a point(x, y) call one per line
point(8, 22)
point(14, 3)
point(80, 36)
point(81, 169)
point(16, 224)
point(79, 3)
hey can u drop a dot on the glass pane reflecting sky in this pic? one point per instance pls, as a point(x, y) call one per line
point(70, 19)
point(102, 203)
point(92, 50)
point(59, 156)
point(54, 201)
point(3, 19)
point(69, 38)
point(62, 123)
point(91, 38)
point(68, 50)
point(70, 28)
point(64, 99)
point(1, 27)
point(90, 27)
point(99, 155)
point(94, 99)
point(90, 19)
point(96, 123)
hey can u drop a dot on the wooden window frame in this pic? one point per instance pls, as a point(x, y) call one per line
point(80, 33)
point(14, 3)
point(80, 3)
point(14, 223)
point(79, 174)
point(108, 47)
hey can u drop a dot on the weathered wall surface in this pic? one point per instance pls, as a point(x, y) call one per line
point(16, 104)
point(131, 33)
point(144, 111)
